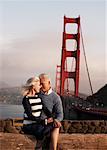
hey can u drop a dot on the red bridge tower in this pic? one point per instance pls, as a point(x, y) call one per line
point(64, 73)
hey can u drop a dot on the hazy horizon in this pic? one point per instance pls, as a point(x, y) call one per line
point(31, 39)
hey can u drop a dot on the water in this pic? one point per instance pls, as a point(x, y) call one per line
point(11, 111)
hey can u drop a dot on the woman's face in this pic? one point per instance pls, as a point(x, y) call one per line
point(37, 87)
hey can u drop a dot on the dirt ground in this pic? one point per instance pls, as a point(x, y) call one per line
point(11, 141)
point(83, 142)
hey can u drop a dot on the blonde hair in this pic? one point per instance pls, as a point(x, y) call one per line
point(29, 85)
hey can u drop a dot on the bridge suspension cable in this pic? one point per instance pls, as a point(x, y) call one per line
point(90, 83)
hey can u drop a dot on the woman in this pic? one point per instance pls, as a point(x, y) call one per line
point(32, 106)
point(32, 103)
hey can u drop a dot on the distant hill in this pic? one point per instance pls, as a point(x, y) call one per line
point(11, 95)
point(100, 96)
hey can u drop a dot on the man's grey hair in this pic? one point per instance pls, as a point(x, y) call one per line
point(44, 76)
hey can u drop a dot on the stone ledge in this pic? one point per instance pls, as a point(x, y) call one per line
point(84, 126)
point(68, 126)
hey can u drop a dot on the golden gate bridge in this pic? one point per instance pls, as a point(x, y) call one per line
point(62, 84)
point(62, 73)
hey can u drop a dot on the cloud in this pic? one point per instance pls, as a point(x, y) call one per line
point(24, 56)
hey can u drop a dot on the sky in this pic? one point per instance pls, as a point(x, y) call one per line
point(31, 39)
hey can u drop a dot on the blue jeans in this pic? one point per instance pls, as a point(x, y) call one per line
point(38, 130)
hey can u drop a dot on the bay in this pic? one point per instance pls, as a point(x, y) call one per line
point(10, 111)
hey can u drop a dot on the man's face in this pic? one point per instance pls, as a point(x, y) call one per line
point(45, 84)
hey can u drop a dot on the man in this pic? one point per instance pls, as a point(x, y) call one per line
point(53, 103)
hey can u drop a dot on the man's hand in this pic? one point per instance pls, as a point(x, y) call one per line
point(57, 123)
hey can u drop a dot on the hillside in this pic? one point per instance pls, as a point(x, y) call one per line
point(11, 95)
point(99, 97)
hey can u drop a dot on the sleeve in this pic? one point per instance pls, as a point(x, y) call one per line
point(28, 111)
point(58, 109)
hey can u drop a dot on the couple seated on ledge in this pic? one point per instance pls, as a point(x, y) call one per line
point(43, 111)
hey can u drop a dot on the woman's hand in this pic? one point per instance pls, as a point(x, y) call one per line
point(49, 120)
